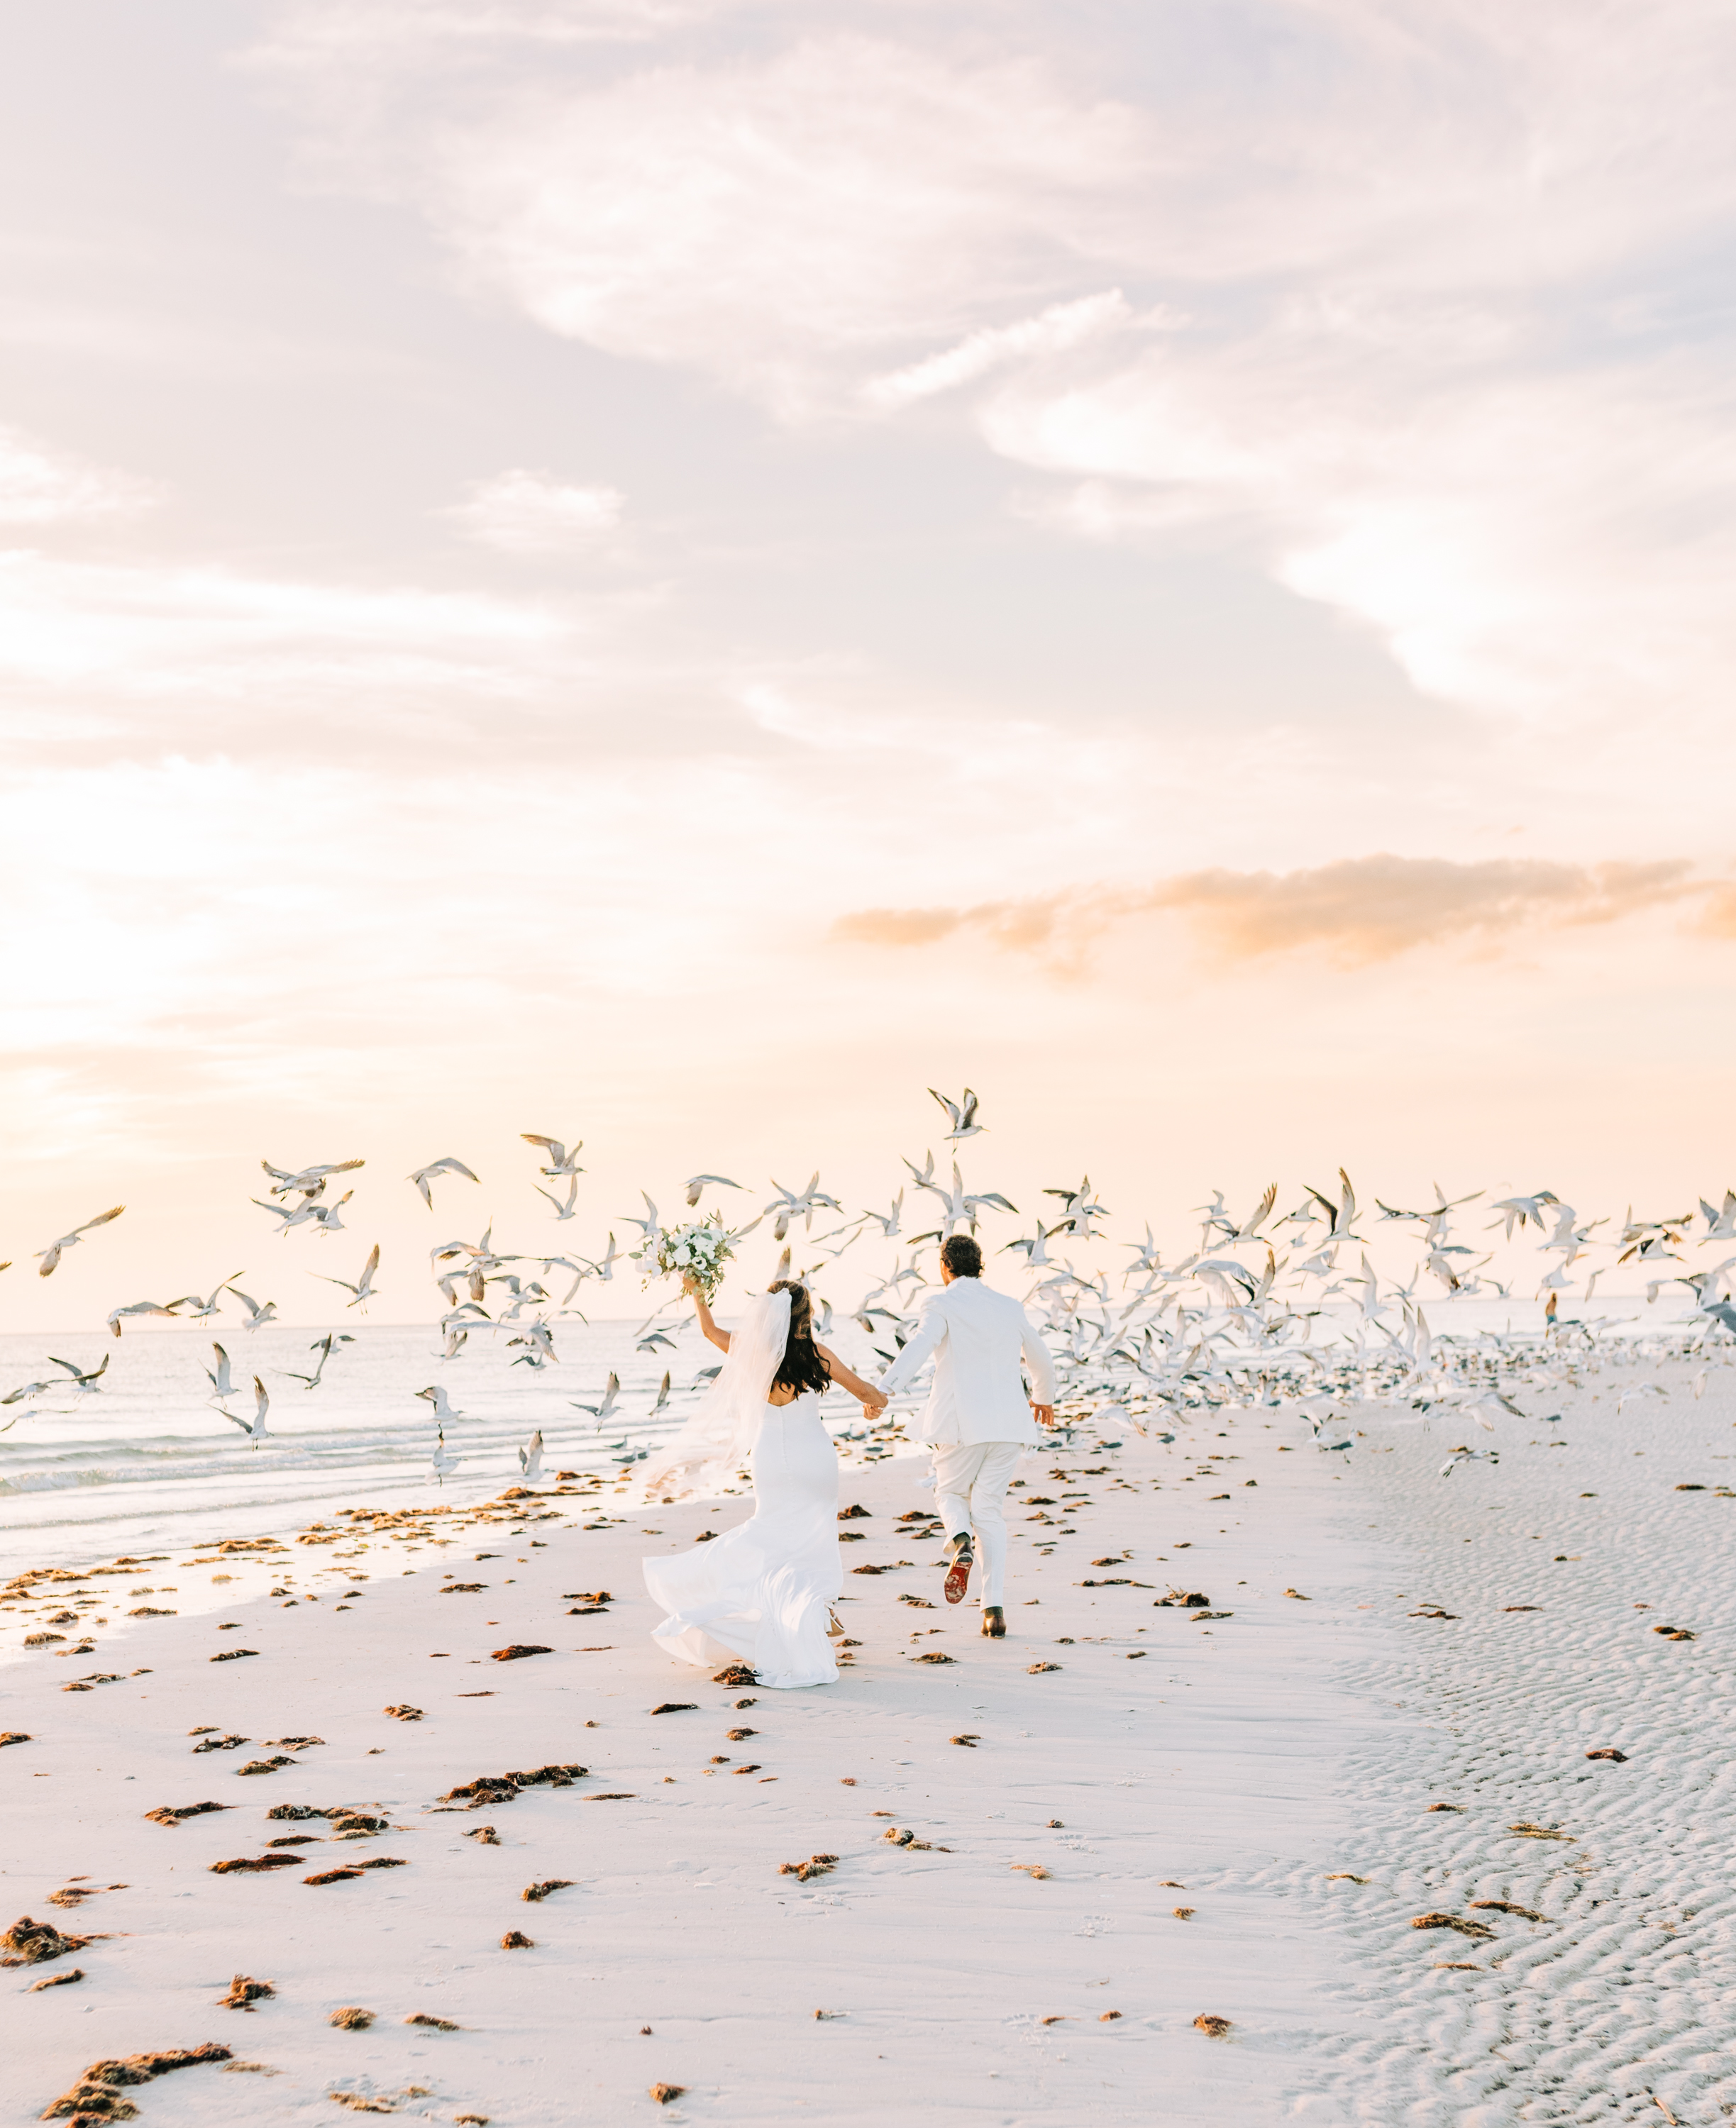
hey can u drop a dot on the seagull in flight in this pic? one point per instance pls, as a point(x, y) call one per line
point(1720, 1225)
point(255, 1427)
point(256, 1314)
point(1081, 1209)
point(1034, 1247)
point(599, 1412)
point(963, 1206)
point(307, 1182)
point(1341, 1218)
point(695, 1185)
point(538, 1337)
point(84, 1384)
point(139, 1307)
point(531, 1458)
point(323, 1347)
point(49, 1257)
point(561, 1211)
point(37, 1388)
point(424, 1177)
point(790, 1203)
point(887, 1221)
point(963, 1115)
point(221, 1382)
point(324, 1217)
point(363, 1288)
point(560, 1160)
point(435, 1394)
point(1519, 1210)
point(200, 1309)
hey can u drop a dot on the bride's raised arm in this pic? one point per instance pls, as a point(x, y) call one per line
point(865, 1391)
point(719, 1338)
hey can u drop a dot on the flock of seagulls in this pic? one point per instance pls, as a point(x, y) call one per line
point(1235, 1321)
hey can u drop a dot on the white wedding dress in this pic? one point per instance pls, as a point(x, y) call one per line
point(762, 1593)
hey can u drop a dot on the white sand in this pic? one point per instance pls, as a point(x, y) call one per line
point(1246, 1759)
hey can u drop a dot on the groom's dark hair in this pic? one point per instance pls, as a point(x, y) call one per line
point(962, 1256)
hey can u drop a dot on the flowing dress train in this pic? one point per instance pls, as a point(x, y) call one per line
point(763, 1592)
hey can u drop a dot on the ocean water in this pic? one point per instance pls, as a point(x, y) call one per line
point(144, 1460)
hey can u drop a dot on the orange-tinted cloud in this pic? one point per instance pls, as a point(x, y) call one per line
point(1357, 909)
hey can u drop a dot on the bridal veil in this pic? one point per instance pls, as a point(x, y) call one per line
point(718, 1439)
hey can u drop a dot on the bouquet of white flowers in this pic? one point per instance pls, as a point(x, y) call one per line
point(702, 1248)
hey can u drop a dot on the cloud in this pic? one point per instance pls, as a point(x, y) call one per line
point(1422, 311)
point(158, 659)
point(39, 486)
point(531, 513)
point(1357, 910)
point(777, 221)
point(1052, 331)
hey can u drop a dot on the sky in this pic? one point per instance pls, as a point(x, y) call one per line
point(676, 573)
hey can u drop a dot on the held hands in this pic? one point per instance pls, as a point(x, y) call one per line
point(874, 1403)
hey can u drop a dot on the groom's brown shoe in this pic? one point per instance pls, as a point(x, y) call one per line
point(958, 1570)
point(994, 1622)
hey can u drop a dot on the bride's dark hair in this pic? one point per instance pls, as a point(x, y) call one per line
point(801, 1368)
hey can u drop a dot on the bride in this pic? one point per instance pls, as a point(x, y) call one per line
point(763, 1592)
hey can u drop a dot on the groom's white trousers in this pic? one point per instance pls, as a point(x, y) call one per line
point(970, 1488)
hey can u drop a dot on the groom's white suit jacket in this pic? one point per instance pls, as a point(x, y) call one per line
point(976, 1336)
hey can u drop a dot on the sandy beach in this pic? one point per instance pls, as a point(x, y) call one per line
point(1157, 1816)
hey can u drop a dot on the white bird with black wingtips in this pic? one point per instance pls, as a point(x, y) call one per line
point(962, 1114)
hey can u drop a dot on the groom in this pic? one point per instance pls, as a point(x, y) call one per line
point(979, 1419)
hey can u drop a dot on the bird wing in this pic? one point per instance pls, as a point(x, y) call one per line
point(1326, 1206)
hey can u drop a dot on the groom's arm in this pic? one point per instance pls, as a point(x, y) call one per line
point(1041, 1362)
point(929, 1333)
